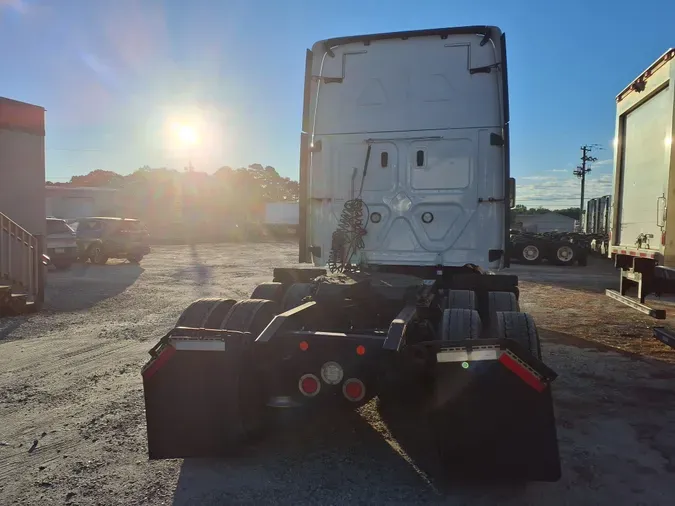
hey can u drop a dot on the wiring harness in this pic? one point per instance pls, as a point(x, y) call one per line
point(348, 238)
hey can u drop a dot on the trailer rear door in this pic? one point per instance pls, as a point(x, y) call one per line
point(644, 169)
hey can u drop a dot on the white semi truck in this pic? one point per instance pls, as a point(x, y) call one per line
point(405, 197)
point(644, 184)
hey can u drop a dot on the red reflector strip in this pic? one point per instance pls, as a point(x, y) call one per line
point(522, 372)
point(162, 359)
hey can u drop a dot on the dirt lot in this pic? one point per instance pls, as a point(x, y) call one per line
point(71, 408)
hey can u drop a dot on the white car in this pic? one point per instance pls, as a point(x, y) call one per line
point(61, 243)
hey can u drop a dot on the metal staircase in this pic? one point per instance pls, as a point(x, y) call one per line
point(22, 271)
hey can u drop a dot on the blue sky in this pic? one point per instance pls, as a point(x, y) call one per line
point(113, 74)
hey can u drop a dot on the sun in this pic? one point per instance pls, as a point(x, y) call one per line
point(186, 134)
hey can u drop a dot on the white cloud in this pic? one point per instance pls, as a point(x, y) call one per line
point(560, 191)
point(603, 162)
point(534, 178)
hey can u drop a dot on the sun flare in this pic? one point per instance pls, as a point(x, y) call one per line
point(186, 134)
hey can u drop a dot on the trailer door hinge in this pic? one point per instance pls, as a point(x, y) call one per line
point(490, 200)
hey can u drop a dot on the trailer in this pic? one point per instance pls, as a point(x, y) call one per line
point(405, 196)
point(558, 248)
point(282, 218)
point(644, 181)
point(596, 224)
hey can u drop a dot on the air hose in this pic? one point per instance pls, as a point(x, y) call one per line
point(348, 238)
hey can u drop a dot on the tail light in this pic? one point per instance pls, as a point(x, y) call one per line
point(354, 389)
point(309, 385)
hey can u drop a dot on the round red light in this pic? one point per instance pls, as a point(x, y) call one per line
point(354, 390)
point(304, 345)
point(360, 350)
point(309, 385)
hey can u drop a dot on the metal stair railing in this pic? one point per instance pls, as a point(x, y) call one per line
point(20, 259)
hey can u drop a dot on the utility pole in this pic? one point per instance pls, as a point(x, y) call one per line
point(581, 172)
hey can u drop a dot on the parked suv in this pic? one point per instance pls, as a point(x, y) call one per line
point(61, 243)
point(99, 239)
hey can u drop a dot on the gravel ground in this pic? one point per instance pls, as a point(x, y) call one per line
point(72, 425)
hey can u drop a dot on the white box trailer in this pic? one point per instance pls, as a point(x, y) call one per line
point(644, 182)
point(284, 214)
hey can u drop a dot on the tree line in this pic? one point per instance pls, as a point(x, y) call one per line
point(572, 212)
point(210, 204)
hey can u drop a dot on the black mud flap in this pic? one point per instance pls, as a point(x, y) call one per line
point(202, 396)
point(492, 423)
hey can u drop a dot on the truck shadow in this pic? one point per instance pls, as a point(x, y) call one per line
point(198, 273)
point(84, 285)
point(326, 460)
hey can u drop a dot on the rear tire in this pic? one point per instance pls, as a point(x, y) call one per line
point(252, 316)
point(519, 327)
point(460, 324)
point(295, 295)
point(269, 291)
point(564, 254)
point(218, 314)
point(530, 253)
point(461, 299)
point(502, 301)
point(196, 314)
point(206, 403)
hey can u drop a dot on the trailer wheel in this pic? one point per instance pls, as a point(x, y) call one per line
point(295, 294)
point(519, 327)
point(461, 299)
point(565, 254)
point(530, 253)
point(460, 324)
point(269, 291)
point(196, 314)
point(502, 301)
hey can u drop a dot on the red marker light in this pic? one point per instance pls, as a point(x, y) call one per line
point(304, 345)
point(360, 350)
